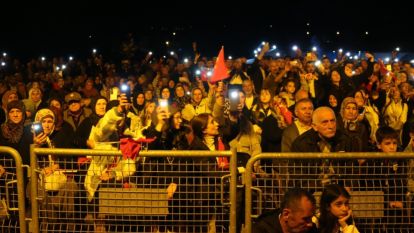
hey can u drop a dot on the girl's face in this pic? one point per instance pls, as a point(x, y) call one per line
point(333, 101)
point(290, 88)
point(197, 96)
point(212, 127)
point(150, 108)
point(179, 92)
point(165, 94)
point(335, 77)
point(340, 207)
point(140, 99)
point(148, 95)
point(177, 120)
point(265, 96)
point(359, 98)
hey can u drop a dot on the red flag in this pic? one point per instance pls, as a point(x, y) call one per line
point(220, 70)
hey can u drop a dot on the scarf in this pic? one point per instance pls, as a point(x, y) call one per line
point(75, 116)
point(12, 132)
point(209, 142)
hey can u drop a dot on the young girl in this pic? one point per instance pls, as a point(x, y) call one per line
point(335, 213)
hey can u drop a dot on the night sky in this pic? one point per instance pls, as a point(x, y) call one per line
point(75, 29)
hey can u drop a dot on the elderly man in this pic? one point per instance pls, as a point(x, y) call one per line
point(323, 137)
point(303, 123)
point(294, 216)
point(75, 113)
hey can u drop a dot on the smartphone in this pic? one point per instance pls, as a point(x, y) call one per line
point(163, 104)
point(125, 90)
point(37, 128)
point(234, 99)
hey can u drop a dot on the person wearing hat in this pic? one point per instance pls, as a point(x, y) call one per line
point(75, 113)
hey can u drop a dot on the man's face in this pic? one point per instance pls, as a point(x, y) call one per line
point(248, 87)
point(304, 112)
point(74, 106)
point(388, 145)
point(299, 220)
point(325, 123)
point(197, 96)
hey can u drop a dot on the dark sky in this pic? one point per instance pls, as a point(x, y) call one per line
point(45, 29)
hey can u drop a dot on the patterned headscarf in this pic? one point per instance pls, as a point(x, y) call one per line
point(10, 130)
point(5, 97)
point(45, 113)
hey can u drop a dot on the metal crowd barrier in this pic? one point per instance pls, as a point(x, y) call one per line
point(381, 193)
point(160, 191)
point(12, 193)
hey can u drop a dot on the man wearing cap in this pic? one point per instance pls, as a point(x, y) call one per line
point(75, 113)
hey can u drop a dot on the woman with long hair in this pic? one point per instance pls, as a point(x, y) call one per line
point(335, 213)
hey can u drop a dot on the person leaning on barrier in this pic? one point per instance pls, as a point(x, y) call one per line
point(410, 183)
point(323, 137)
point(335, 213)
point(393, 177)
point(294, 215)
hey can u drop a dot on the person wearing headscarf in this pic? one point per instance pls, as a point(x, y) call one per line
point(32, 103)
point(13, 132)
point(7, 97)
point(139, 103)
point(56, 132)
point(99, 107)
point(348, 122)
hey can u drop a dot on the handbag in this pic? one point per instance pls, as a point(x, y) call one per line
point(55, 181)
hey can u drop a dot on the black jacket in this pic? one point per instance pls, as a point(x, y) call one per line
point(308, 142)
point(269, 223)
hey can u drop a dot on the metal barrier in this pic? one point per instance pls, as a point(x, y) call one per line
point(168, 191)
point(12, 200)
point(381, 196)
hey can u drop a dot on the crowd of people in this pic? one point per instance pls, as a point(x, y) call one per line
point(287, 104)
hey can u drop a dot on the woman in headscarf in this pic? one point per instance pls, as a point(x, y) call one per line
point(348, 121)
point(139, 103)
point(8, 97)
point(32, 103)
point(13, 133)
point(56, 132)
point(99, 107)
